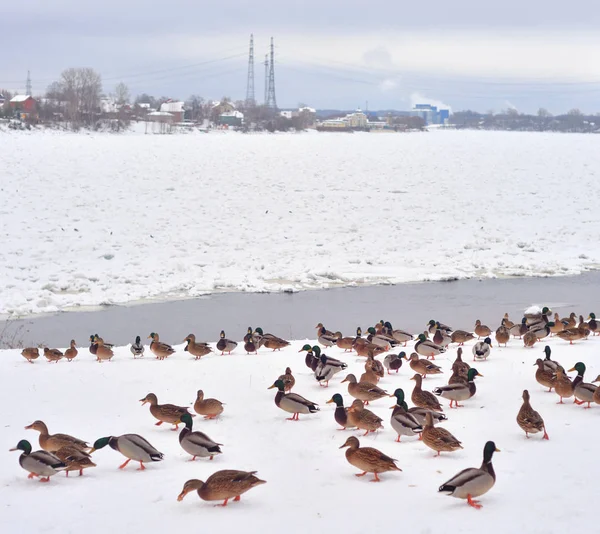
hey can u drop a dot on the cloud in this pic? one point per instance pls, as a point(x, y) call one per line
point(388, 85)
point(419, 98)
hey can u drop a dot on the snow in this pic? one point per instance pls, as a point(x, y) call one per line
point(172, 107)
point(542, 486)
point(20, 98)
point(90, 219)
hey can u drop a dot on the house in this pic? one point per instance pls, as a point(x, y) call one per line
point(231, 118)
point(176, 109)
point(2, 99)
point(23, 104)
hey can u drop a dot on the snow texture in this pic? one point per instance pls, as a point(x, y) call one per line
point(91, 219)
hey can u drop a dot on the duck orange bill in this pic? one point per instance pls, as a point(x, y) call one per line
point(92, 450)
point(271, 387)
point(329, 401)
point(182, 495)
point(28, 427)
point(13, 449)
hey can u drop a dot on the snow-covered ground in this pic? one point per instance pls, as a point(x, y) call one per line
point(87, 219)
point(542, 486)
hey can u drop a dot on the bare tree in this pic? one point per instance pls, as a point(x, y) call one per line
point(122, 96)
point(196, 105)
point(543, 113)
point(80, 89)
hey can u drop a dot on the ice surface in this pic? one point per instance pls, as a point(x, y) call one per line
point(90, 219)
point(542, 486)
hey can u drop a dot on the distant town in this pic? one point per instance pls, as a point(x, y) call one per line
point(77, 100)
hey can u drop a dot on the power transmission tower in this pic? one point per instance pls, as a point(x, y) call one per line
point(266, 64)
point(28, 85)
point(250, 101)
point(271, 100)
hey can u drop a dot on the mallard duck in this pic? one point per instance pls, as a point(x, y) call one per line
point(132, 446)
point(270, 341)
point(362, 418)
point(596, 396)
point(436, 325)
point(393, 362)
point(250, 335)
point(325, 337)
point(534, 314)
point(368, 459)
point(542, 330)
point(570, 321)
point(197, 444)
point(563, 385)
point(548, 363)
point(482, 349)
point(340, 414)
point(363, 391)
point(519, 330)
point(557, 325)
point(97, 338)
point(288, 380)
point(74, 459)
point(165, 413)
point(364, 349)
point(292, 402)
point(583, 392)
point(137, 348)
point(459, 392)
point(502, 335)
point(438, 438)
point(583, 325)
point(225, 345)
point(30, 354)
point(461, 366)
point(402, 421)
point(39, 463)
point(459, 375)
point(53, 442)
point(572, 334)
point(347, 343)
point(53, 355)
point(401, 336)
point(424, 399)
point(473, 482)
point(544, 376)
point(374, 366)
point(529, 339)
point(381, 340)
point(593, 324)
point(222, 486)
point(196, 348)
point(371, 377)
point(209, 408)
point(327, 368)
point(442, 338)
point(461, 337)
point(250, 346)
point(71, 352)
point(103, 352)
point(158, 348)
point(93, 345)
point(423, 367)
point(529, 420)
point(424, 347)
point(507, 322)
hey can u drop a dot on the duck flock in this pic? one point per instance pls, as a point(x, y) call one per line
point(384, 349)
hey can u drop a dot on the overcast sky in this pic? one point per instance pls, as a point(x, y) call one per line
point(329, 54)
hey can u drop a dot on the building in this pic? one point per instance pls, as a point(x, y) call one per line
point(231, 118)
point(176, 109)
point(24, 105)
point(357, 120)
point(430, 114)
